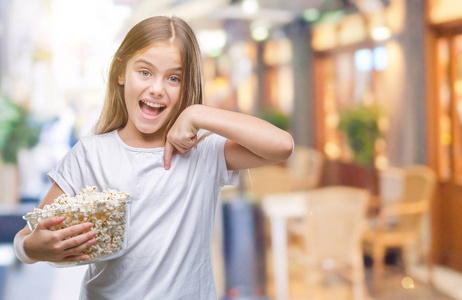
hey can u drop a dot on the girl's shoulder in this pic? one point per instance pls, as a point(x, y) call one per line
point(98, 139)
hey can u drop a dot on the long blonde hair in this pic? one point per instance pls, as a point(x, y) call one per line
point(148, 32)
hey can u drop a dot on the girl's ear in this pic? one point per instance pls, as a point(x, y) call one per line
point(121, 79)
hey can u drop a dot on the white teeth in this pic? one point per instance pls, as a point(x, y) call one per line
point(153, 104)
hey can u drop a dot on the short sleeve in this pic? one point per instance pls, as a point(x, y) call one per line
point(212, 147)
point(69, 173)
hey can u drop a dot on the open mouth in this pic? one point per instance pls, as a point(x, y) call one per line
point(151, 110)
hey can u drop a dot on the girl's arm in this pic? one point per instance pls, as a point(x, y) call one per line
point(63, 245)
point(252, 142)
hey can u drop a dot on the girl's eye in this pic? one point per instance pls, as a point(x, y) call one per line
point(144, 73)
point(174, 79)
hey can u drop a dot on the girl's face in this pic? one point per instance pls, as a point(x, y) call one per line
point(152, 85)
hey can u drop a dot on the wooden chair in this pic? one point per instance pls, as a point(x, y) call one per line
point(391, 185)
point(306, 165)
point(399, 224)
point(267, 180)
point(334, 224)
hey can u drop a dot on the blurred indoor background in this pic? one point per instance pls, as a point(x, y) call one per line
point(368, 207)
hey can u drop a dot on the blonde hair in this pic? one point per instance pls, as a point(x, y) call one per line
point(148, 32)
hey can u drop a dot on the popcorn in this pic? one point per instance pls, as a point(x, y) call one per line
point(107, 211)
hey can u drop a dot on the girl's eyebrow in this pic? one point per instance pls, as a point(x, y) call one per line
point(143, 61)
point(140, 60)
point(176, 69)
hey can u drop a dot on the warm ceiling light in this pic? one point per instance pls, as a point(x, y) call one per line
point(260, 34)
point(249, 7)
point(381, 33)
point(212, 42)
point(260, 30)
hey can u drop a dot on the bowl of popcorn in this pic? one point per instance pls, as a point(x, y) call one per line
point(108, 211)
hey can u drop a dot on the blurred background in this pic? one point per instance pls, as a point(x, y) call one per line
point(371, 91)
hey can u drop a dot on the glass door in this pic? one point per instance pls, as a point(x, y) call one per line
point(449, 53)
point(347, 78)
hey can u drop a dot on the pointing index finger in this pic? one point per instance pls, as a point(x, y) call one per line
point(168, 151)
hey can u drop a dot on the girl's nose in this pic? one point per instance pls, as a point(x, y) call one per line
point(156, 88)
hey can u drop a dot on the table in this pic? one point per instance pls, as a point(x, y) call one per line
point(279, 208)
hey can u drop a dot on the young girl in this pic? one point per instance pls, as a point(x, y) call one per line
point(155, 141)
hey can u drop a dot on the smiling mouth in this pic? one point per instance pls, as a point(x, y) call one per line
point(151, 110)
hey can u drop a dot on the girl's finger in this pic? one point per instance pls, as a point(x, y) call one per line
point(78, 240)
point(194, 140)
point(74, 230)
point(50, 222)
point(80, 248)
point(168, 152)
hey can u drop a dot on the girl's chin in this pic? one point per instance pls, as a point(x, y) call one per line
point(150, 129)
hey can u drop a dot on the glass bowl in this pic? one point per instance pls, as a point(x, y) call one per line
point(111, 221)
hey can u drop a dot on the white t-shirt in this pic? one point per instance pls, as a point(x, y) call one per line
point(169, 245)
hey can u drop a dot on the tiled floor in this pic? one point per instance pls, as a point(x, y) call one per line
point(393, 287)
point(40, 281)
point(336, 288)
point(43, 282)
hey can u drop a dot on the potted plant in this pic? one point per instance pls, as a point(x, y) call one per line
point(18, 131)
point(275, 117)
point(360, 124)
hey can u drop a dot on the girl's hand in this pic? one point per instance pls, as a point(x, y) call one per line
point(63, 245)
point(181, 137)
point(251, 142)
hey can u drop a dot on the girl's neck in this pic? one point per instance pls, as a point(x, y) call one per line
point(141, 140)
